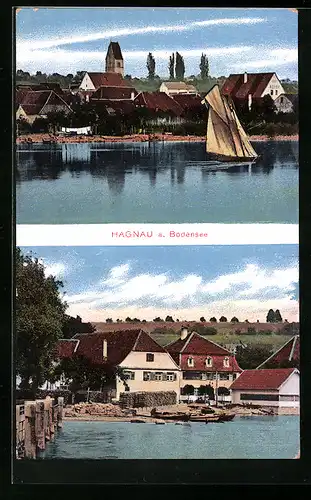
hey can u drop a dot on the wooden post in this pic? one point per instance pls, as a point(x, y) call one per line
point(60, 412)
point(51, 420)
point(40, 434)
point(30, 429)
point(47, 407)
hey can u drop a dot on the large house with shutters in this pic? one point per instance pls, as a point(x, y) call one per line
point(202, 361)
point(146, 365)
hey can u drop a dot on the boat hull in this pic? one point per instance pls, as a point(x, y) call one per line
point(235, 159)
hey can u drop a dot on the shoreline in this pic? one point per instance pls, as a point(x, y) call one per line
point(42, 138)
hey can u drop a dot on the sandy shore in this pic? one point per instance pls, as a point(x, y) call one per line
point(40, 138)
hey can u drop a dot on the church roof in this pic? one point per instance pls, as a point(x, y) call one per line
point(116, 50)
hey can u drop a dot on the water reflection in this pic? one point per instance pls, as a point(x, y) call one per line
point(115, 161)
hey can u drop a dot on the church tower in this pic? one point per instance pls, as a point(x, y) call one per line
point(114, 59)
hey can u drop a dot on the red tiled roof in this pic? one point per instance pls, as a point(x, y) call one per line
point(108, 80)
point(19, 96)
point(288, 352)
point(116, 50)
point(33, 101)
point(255, 85)
point(119, 345)
point(66, 348)
point(262, 379)
point(196, 344)
point(158, 101)
point(188, 101)
point(119, 107)
point(112, 93)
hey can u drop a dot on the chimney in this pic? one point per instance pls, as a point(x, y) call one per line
point(105, 349)
point(249, 101)
point(245, 77)
point(184, 332)
point(132, 96)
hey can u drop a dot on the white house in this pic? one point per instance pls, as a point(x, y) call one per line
point(285, 103)
point(249, 86)
point(278, 387)
point(173, 88)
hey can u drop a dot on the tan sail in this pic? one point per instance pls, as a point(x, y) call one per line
point(225, 134)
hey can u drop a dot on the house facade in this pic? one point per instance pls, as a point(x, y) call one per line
point(250, 86)
point(145, 364)
point(160, 103)
point(277, 387)
point(114, 59)
point(202, 361)
point(286, 103)
point(174, 88)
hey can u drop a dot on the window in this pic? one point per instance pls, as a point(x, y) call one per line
point(259, 397)
point(149, 356)
point(276, 92)
point(271, 92)
point(129, 375)
point(170, 376)
point(224, 376)
point(158, 376)
point(146, 376)
point(234, 376)
point(282, 100)
point(190, 362)
point(209, 361)
point(287, 398)
point(226, 362)
point(192, 375)
point(209, 376)
point(118, 64)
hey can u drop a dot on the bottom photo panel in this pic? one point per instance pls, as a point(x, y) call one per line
point(157, 352)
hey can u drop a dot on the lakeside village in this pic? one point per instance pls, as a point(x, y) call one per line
point(111, 105)
point(133, 370)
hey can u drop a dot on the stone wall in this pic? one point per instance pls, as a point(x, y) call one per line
point(147, 399)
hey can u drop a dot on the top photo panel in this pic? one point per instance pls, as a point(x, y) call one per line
point(156, 115)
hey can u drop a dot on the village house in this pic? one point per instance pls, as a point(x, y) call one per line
point(276, 387)
point(159, 103)
point(32, 104)
point(174, 88)
point(286, 103)
point(288, 353)
point(94, 81)
point(250, 86)
point(147, 366)
point(114, 59)
point(202, 361)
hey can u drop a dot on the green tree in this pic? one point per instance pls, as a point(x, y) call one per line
point(278, 317)
point(158, 320)
point(223, 391)
point(179, 67)
point(213, 320)
point(40, 316)
point(202, 319)
point(151, 66)
point(72, 326)
point(170, 319)
point(270, 316)
point(188, 390)
point(223, 319)
point(252, 356)
point(204, 67)
point(234, 320)
point(171, 66)
point(109, 320)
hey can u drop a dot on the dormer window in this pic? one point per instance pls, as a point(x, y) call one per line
point(149, 356)
point(226, 362)
point(190, 361)
point(209, 361)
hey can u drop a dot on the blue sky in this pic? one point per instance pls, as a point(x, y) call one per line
point(65, 40)
point(187, 282)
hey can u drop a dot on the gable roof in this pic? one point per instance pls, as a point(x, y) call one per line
point(263, 379)
point(108, 80)
point(196, 344)
point(33, 101)
point(119, 345)
point(179, 86)
point(67, 347)
point(287, 352)
point(255, 85)
point(158, 101)
point(188, 101)
point(116, 50)
point(293, 98)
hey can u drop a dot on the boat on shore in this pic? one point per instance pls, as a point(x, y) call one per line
point(226, 139)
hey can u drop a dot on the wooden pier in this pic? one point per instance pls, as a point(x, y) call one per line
point(36, 423)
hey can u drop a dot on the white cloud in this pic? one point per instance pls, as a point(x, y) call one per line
point(116, 33)
point(57, 269)
point(248, 292)
point(273, 59)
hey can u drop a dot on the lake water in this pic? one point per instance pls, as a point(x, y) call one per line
point(243, 437)
point(156, 183)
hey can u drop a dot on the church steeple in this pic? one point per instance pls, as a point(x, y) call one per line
point(114, 59)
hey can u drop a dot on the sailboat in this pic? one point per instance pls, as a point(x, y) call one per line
point(226, 139)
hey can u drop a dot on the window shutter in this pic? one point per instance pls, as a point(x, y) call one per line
point(164, 376)
point(175, 376)
point(152, 376)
